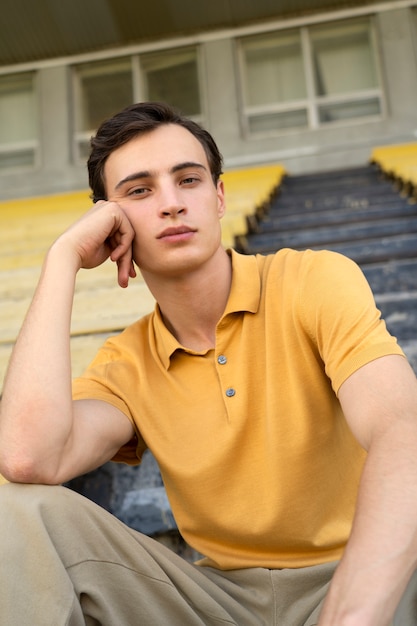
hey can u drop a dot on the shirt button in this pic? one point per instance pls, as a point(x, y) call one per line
point(221, 359)
point(230, 392)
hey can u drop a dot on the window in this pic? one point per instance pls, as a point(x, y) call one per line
point(101, 89)
point(172, 76)
point(274, 84)
point(309, 77)
point(19, 132)
point(344, 69)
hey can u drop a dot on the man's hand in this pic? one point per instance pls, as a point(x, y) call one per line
point(103, 232)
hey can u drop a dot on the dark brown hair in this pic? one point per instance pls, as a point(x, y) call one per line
point(138, 119)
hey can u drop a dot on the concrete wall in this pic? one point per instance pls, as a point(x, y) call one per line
point(300, 151)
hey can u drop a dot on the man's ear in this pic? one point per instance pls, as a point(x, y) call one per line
point(221, 203)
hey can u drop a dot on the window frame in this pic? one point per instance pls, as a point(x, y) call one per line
point(313, 102)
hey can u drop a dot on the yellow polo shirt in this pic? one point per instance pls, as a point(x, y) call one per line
point(258, 462)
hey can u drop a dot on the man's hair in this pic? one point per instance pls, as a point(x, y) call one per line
point(138, 119)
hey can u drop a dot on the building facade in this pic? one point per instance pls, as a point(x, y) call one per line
point(314, 91)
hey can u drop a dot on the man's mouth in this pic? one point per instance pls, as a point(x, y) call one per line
point(178, 233)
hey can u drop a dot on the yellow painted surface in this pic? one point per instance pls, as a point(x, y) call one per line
point(28, 226)
point(248, 188)
point(399, 160)
point(392, 150)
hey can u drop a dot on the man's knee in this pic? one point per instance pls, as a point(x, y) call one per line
point(46, 520)
point(15, 494)
point(20, 502)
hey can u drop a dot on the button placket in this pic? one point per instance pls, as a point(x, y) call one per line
point(222, 360)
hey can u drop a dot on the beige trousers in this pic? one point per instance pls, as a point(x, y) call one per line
point(66, 561)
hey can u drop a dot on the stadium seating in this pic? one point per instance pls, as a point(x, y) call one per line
point(398, 162)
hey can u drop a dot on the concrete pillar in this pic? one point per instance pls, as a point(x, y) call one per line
point(399, 61)
point(54, 118)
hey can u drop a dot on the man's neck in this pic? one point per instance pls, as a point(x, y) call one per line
point(191, 305)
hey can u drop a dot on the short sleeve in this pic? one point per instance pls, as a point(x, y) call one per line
point(106, 379)
point(341, 316)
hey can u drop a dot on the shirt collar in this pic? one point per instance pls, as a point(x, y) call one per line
point(244, 296)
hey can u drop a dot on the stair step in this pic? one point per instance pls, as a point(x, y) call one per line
point(345, 184)
point(368, 251)
point(357, 173)
point(301, 238)
point(392, 277)
point(288, 220)
point(334, 198)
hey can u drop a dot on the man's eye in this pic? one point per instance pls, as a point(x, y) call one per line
point(189, 180)
point(137, 191)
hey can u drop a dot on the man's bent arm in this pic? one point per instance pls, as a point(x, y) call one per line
point(380, 404)
point(44, 437)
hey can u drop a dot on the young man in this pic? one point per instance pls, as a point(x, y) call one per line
point(258, 383)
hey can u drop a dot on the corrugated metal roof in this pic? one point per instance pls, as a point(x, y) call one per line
point(33, 30)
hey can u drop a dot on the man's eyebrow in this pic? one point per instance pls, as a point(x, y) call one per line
point(148, 174)
point(186, 165)
point(134, 176)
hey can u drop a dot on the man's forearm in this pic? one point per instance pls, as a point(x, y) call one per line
point(38, 433)
point(36, 409)
point(381, 554)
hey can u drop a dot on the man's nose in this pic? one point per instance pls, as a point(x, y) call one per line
point(171, 203)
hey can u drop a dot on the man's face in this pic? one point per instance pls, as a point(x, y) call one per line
point(163, 183)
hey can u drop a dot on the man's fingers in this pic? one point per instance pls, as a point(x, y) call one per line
point(104, 231)
point(125, 270)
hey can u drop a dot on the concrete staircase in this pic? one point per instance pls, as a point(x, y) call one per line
point(360, 214)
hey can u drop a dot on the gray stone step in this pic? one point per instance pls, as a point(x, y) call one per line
point(367, 180)
point(303, 237)
point(361, 175)
point(393, 277)
point(368, 251)
point(287, 203)
point(280, 221)
point(332, 190)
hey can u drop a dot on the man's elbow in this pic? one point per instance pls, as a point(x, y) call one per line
point(20, 468)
